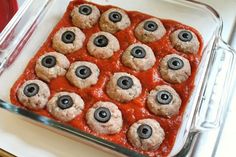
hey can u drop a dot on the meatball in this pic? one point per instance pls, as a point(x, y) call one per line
point(83, 74)
point(104, 118)
point(139, 57)
point(175, 68)
point(85, 16)
point(185, 41)
point(51, 65)
point(150, 30)
point(123, 87)
point(68, 40)
point(146, 134)
point(65, 106)
point(33, 94)
point(164, 101)
point(102, 45)
point(114, 20)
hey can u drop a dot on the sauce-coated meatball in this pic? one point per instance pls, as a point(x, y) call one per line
point(123, 87)
point(33, 94)
point(65, 106)
point(51, 65)
point(83, 74)
point(175, 68)
point(85, 16)
point(146, 134)
point(104, 118)
point(68, 40)
point(164, 101)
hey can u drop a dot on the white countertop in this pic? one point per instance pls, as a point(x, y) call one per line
point(13, 128)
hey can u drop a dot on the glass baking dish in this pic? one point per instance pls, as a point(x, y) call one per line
point(30, 27)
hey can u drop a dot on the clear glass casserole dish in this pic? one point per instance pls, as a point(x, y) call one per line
point(209, 99)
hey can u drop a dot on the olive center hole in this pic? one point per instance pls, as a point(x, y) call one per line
point(68, 36)
point(185, 35)
point(65, 101)
point(100, 41)
point(176, 63)
point(31, 89)
point(125, 82)
point(151, 25)
point(85, 10)
point(83, 71)
point(48, 60)
point(103, 114)
point(164, 97)
point(145, 131)
point(138, 52)
point(115, 16)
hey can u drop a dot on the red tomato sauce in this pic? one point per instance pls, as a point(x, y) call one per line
point(135, 109)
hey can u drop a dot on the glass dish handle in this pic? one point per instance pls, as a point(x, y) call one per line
point(219, 88)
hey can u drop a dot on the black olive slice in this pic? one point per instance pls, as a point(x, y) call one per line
point(49, 61)
point(68, 37)
point(164, 97)
point(150, 26)
point(138, 52)
point(101, 41)
point(31, 89)
point(102, 114)
point(64, 102)
point(185, 36)
point(125, 82)
point(115, 16)
point(175, 63)
point(83, 72)
point(144, 131)
point(85, 10)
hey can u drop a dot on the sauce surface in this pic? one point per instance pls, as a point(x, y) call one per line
point(133, 110)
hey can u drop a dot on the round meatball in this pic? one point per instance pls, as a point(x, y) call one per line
point(65, 106)
point(83, 74)
point(146, 134)
point(164, 101)
point(51, 65)
point(123, 87)
point(68, 40)
point(33, 94)
point(139, 57)
point(150, 30)
point(85, 16)
point(102, 45)
point(114, 20)
point(185, 41)
point(104, 118)
point(175, 68)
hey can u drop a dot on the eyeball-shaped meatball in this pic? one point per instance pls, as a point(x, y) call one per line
point(185, 41)
point(85, 16)
point(150, 30)
point(104, 118)
point(51, 65)
point(102, 45)
point(33, 94)
point(164, 101)
point(146, 134)
point(139, 57)
point(114, 20)
point(83, 74)
point(175, 68)
point(123, 87)
point(65, 106)
point(68, 40)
